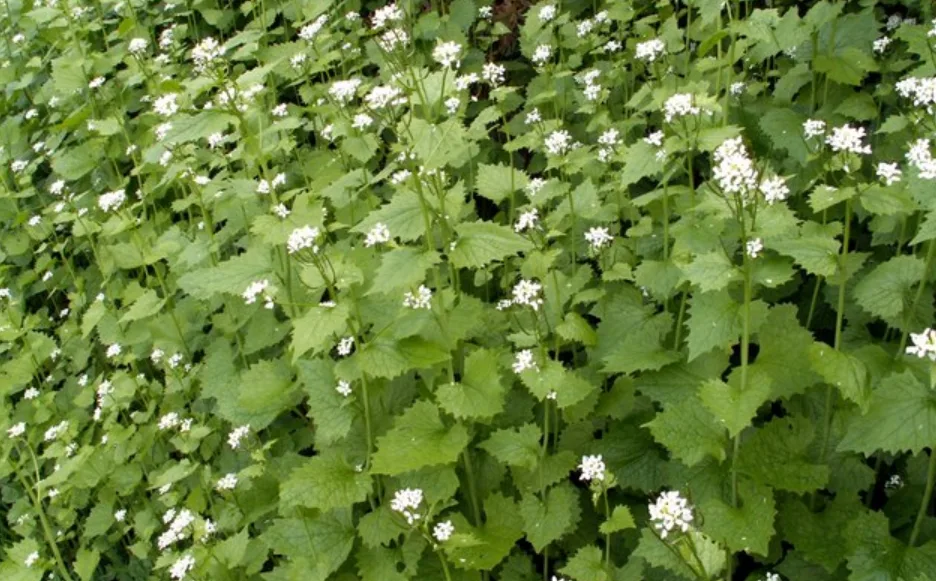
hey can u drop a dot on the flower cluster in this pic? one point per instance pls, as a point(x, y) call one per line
point(670, 512)
point(421, 299)
point(924, 344)
point(593, 468)
point(406, 502)
point(255, 289)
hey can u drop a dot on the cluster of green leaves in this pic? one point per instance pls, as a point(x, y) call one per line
point(167, 348)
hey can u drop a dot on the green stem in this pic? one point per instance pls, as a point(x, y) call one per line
point(472, 488)
point(607, 551)
point(46, 529)
point(927, 496)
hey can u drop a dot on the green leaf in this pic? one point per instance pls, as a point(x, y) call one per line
point(641, 162)
point(86, 562)
point(689, 432)
point(481, 392)
point(846, 372)
point(515, 446)
point(551, 376)
point(711, 271)
point(497, 182)
point(889, 291)
point(321, 542)
point(264, 392)
point(621, 519)
point(784, 127)
point(778, 455)
point(402, 216)
point(501, 530)
point(848, 67)
point(74, 163)
point(324, 482)
point(784, 346)
point(927, 229)
point(146, 305)
point(816, 249)
point(732, 404)
point(231, 276)
point(232, 550)
point(545, 522)
point(716, 321)
point(818, 536)
point(587, 565)
point(631, 334)
point(674, 557)
point(824, 197)
point(901, 417)
point(329, 409)
point(418, 428)
point(480, 243)
point(402, 268)
point(187, 128)
point(887, 201)
point(438, 145)
point(749, 527)
point(878, 555)
point(315, 331)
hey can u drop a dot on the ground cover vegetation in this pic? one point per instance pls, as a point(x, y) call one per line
point(572, 291)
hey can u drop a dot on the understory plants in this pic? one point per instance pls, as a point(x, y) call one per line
point(572, 290)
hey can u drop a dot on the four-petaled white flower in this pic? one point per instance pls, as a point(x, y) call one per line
point(344, 388)
point(447, 53)
point(924, 344)
point(754, 247)
point(598, 237)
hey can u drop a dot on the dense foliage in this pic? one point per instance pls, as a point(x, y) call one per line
point(593, 291)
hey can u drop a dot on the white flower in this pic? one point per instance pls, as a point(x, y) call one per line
point(881, 44)
point(533, 117)
point(735, 171)
point(848, 138)
point(34, 220)
point(18, 38)
point(215, 139)
point(406, 502)
point(655, 139)
point(736, 88)
point(113, 350)
point(362, 121)
point(670, 511)
point(392, 39)
point(379, 234)
point(16, 430)
point(920, 157)
point(592, 467)
point(206, 53)
point(344, 388)
point(526, 292)
point(534, 186)
point(924, 344)
point(18, 165)
point(161, 131)
point(814, 128)
point(112, 200)
point(236, 435)
point(227, 482)
point(280, 210)
point(389, 13)
point(384, 96)
point(592, 92)
point(889, 173)
point(679, 105)
point(137, 45)
point(485, 12)
point(650, 50)
point(301, 238)
point(774, 189)
point(345, 346)
point(31, 559)
point(772, 577)
point(166, 105)
point(547, 12)
point(493, 73)
point(168, 421)
point(96, 82)
point(754, 247)
point(279, 110)
point(120, 515)
point(181, 567)
point(344, 91)
point(55, 431)
point(541, 54)
point(446, 54)
point(612, 46)
point(584, 27)
point(611, 137)
point(53, 493)
point(894, 21)
point(297, 60)
point(894, 482)
point(523, 361)
point(421, 299)
point(443, 531)
point(558, 142)
point(31, 393)
point(309, 31)
point(527, 220)
point(598, 237)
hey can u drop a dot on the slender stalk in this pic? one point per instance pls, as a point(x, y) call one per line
point(472, 488)
point(607, 548)
point(927, 497)
point(46, 529)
